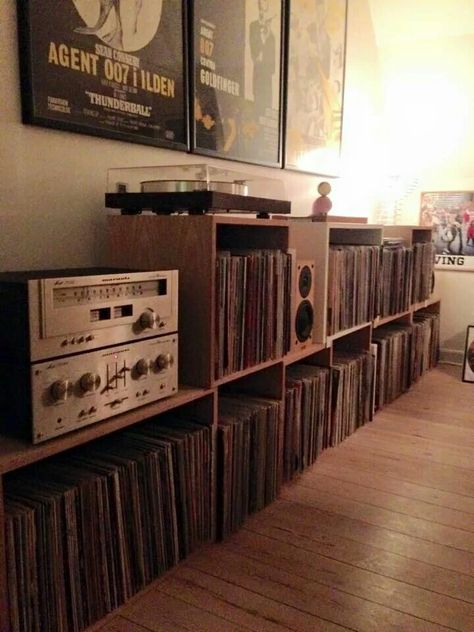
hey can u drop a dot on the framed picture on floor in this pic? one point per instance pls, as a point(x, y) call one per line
point(237, 80)
point(451, 214)
point(315, 85)
point(468, 365)
point(113, 68)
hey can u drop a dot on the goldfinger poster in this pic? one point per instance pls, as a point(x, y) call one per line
point(237, 80)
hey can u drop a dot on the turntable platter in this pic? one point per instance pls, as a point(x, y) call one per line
point(188, 186)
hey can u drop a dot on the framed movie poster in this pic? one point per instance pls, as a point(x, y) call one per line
point(112, 68)
point(451, 214)
point(315, 85)
point(468, 365)
point(236, 72)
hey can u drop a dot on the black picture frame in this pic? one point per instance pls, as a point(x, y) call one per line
point(236, 81)
point(468, 362)
point(106, 70)
point(316, 35)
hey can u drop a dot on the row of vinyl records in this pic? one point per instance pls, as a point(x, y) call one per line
point(406, 276)
point(369, 281)
point(86, 530)
point(253, 296)
point(403, 354)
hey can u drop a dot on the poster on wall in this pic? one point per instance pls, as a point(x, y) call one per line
point(237, 80)
point(451, 213)
point(111, 68)
point(315, 85)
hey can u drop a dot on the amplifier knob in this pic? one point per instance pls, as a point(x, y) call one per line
point(142, 366)
point(164, 361)
point(59, 390)
point(149, 319)
point(89, 382)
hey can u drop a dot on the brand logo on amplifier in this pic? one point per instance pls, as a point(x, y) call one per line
point(122, 278)
point(115, 353)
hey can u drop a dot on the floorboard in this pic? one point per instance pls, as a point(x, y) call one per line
point(367, 494)
point(378, 536)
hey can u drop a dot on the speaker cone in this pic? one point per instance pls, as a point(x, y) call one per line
point(305, 281)
point(304, 321)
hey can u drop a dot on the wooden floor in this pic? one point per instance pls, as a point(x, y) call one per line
point(377, 537)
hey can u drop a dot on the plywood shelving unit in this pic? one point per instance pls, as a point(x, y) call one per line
point(190, 244)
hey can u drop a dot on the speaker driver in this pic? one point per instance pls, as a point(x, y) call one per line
point(305, 281)
point(304, 321)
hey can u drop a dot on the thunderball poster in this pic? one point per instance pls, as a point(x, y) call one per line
point(237, 79)
point(106, 67)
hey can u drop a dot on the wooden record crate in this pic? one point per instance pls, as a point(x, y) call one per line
point(190, 244)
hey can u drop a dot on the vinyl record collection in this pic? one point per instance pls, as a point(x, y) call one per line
point(253, 308)
point(352, 393)
point(369, 281)
point(396, 278)
point(248, 465)
point(307, 429)
point(404, 354)
point(425, 345)
point(353, 282)
point(423, 264)
point(393, 362)
point(323, 406)
point(87, 530)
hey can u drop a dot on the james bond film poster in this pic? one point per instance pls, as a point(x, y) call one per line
point(106, 67)
point(315, 85)
point(237, 79)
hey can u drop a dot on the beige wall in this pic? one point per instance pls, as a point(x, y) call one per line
point(426, 58)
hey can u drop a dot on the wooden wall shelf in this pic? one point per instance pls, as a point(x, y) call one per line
point(378, 322)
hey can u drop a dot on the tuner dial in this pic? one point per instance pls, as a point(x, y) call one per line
point(89, 382)
point(149, 319)
point(142, 367)
point(59, 390)
point(164, 361)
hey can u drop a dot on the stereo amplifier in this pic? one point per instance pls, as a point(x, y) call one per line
point(79, 346)
point(48, 314)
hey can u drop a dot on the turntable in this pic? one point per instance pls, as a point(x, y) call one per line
point(194, 189)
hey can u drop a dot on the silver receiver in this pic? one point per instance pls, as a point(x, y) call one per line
point(71, 314)
point(81, 345)
point(71, 392)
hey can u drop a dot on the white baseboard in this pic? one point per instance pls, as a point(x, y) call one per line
point(452, 356)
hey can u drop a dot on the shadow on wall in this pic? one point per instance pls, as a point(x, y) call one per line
point(453, 348)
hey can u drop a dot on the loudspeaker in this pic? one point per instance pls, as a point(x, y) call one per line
point(302, 316)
